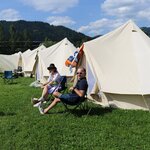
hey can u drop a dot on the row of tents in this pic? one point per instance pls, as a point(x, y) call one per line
point(117, 64)
point(36, 61)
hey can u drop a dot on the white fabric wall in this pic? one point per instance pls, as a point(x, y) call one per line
point(120, 60)
point(29, 59)
point(120, 63)
point(56, 54)
point(9, 62)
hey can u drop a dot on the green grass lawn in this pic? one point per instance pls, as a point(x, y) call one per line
point(22, 127)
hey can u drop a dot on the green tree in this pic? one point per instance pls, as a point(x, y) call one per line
point(1, 33)
point(48, 43)
point(27, 40)
point(1, 38)
point(12, 39)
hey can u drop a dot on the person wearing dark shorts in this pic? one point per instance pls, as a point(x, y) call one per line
point(77, 92)
point(73, 98)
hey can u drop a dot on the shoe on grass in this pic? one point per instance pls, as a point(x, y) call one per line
point(37, 104)
point(34, 100)
point(41, 110)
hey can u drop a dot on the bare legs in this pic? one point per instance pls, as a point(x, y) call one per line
point(54, 102)
point(57, 94)
point(44, 93)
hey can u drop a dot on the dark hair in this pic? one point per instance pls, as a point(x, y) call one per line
point(54, 68)
point(51, 66)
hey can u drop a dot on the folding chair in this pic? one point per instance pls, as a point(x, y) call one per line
point(8, 76)
point(82, 105)
point(19, 71)
point(62, 86)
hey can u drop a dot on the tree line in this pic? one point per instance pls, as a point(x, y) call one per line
point(21, 35)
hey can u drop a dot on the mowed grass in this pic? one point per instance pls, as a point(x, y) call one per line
point(23, 128)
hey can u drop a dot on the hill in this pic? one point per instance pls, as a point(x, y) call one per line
point(146, 30)
point(21, 35)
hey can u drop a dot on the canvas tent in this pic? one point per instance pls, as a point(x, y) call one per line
point(10, 62)
point(29, 59)
point(57, 54)
point(118, 68)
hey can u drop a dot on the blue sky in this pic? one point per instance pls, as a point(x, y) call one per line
point(91, 17)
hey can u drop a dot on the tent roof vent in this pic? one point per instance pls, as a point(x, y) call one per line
point(134, 30)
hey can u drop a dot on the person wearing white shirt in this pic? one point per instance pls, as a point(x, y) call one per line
point(50, 86)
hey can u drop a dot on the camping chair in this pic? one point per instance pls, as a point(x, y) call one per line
point(62, 85)
point(8, 76)
point(19, 71)
point(82, 105)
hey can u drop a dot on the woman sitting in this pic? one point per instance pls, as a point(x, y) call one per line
point(50, 86)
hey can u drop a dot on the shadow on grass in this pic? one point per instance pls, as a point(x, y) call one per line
point(13, 83)
point(2, 114)
point(9, 83)
point(92, 111)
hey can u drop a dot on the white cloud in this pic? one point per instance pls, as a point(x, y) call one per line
point(144, 14)
point(60, 20)
point(100, 26)
point(9, 15)
point(118, 12)
point(126, 8)
point(54, 6)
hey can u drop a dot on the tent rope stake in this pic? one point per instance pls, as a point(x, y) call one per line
point(145, 103)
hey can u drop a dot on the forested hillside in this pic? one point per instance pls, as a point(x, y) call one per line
point(146, 30)
point(22, 35)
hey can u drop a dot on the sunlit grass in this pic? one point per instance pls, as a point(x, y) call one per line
point(23, 128)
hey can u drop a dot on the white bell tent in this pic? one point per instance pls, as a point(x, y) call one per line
point(57, 54)
point(29, 59)
point(118, 68)
point(10, 62)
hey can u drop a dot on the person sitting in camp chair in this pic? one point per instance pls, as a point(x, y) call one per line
point(49, 87)
point(77, 93)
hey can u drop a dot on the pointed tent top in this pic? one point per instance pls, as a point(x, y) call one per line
point(57, 54)
point(19, 52)
point(41, 47)
point(65, 38)
point(122, 58)
point(129, 26)
point(66, 41)
point(131, 23)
